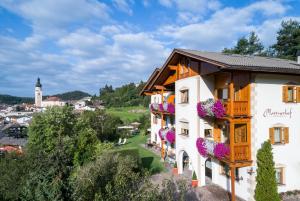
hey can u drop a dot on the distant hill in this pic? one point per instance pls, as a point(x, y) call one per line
point(12, 100)
point(72, 95)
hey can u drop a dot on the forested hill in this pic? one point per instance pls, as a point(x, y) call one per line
point(12, 100)
point(126, 95)
point(72, 95)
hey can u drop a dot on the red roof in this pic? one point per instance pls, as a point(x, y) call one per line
point(52, 98)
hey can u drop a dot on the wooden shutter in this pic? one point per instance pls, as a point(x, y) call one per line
point(217, 133)
point(285, 93)
point(298, 94)
point(271, 135)
point(286, 135)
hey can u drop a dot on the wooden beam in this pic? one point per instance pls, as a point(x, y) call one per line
point(159, 87)
point(148, 93)
point(232, 172)
point(171, 67)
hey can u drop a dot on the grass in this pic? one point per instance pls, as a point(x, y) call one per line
point(149, 160)
point(128, 114)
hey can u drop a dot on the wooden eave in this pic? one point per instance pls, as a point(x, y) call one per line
point(151, 79)
point(180, 52)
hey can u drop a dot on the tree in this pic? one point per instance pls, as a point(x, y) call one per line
point(266, 186)
point(103, 124)
point(247, 46)
point(13, 176)
point(288, 40)
point(50, 153)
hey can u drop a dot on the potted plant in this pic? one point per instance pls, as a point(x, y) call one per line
point(175, 169)
point(194, 180)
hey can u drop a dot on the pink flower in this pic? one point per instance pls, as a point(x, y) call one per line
point(218, 109)
point(171, 108)
point(161, 107)
point(170, 136)
point(221, 150)
point(201, 110)
point(200, 143)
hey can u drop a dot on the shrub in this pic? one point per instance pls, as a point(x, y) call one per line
point(194, 176)
point(266, 186)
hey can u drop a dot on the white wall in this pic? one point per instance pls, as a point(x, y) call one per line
point(268, 94)
point(188, 112)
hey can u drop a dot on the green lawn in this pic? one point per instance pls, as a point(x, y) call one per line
point(128, 114)
point(149, 160)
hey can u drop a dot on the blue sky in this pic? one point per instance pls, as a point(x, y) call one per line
point(85, 44)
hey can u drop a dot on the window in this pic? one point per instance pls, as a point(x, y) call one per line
point(280, 175)
point(279, 135)
point(184, 128)
point(291, 94)
point(240, 133)
point(223, 93)
point(184, 96)
point(208, 133)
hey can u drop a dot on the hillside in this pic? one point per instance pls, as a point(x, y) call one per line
point(12, 100)
point(72, 95)
point(124, 96)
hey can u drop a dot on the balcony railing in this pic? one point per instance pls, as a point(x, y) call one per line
point(221, 150)
point(162, 107)
point(242, 152)
point(240, 108)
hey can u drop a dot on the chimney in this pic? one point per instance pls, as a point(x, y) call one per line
point(298, 56)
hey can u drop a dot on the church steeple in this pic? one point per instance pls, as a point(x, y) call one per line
point(38, 83)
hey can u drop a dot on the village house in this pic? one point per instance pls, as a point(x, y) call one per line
point(222, 107)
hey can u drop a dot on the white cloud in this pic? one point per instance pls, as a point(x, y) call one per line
point(123, 5)
point(224, 26)
point(52, 16)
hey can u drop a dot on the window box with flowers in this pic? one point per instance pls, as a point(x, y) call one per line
point(211, 109)
point(207, 147)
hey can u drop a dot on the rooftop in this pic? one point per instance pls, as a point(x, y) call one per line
point(245, 62)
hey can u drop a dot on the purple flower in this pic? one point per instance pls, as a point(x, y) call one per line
point(201, 110)
point(171, 108)
point(218, 109)
point(170, 136)
point(221, 150)
point(200, 143)
point(160, 133)
point(161, 107)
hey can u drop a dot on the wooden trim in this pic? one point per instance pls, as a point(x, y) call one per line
point(271, 135)
point(298, 94)
point(172, 67)
point(286, 135)
point(159, 87)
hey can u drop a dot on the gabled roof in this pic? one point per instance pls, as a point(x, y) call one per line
point(245, 62)
point(151, 80)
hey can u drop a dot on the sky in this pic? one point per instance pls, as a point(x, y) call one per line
point(85, 44)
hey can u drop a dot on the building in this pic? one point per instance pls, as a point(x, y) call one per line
point(226, 106)
point(49, 102)
point(53, 101)
point(38, 93)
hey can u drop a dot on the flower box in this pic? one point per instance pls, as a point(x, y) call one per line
point(211, 109)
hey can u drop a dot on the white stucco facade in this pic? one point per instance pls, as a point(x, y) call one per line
point(266, 97)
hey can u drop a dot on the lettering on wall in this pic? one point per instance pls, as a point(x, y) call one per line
point(275, 113)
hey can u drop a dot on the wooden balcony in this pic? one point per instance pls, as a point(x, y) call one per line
point(240, 108)
point(242, 152)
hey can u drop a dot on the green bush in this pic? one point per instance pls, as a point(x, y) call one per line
point(194, 176)
point(266, 186)
point(175, 165)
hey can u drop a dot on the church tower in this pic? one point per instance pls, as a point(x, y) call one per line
point(38, 93)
